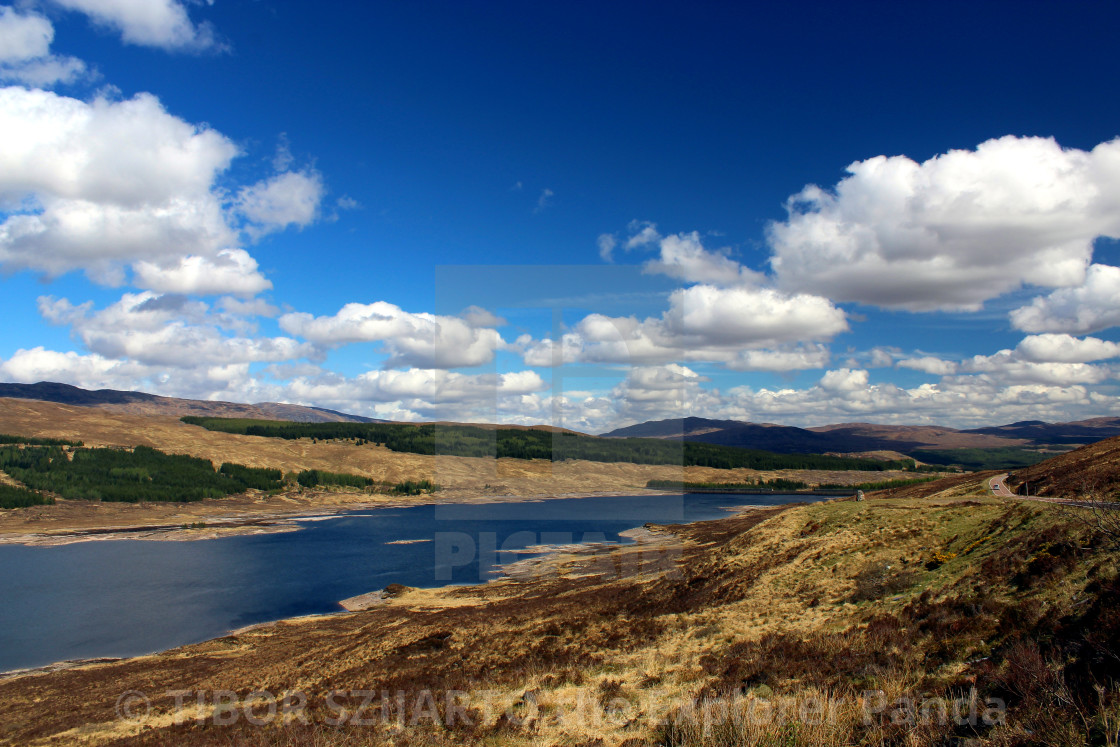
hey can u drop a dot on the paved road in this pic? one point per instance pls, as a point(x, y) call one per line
point(999, 489)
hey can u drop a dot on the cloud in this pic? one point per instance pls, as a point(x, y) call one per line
point(92, 371)
point(847, 395)
point(109, 182)
point(25, 57)
point(229, 382)
point(544, 200)
point(476, 316)
point(682, 256)
point(1008, 367)
point(166, 330)
point(1066, 349)
point(751, 316)
point(882, 357)
point(607, 242)
point(844, 380)
point(1088, 307)
point(23, 36)
point(643, 233)
point(424, 341)
point(930, 364)
point(1037, 359)
point(150, 23)
point(798, 358)
point(287, 199)
point(953, 231)
point(230, 271)
point(840, 395)
point(422, 393)
point(103, 185)
point(650, 392)
point(704, 323)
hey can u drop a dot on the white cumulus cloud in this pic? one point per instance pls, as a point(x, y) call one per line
point(231, 271)
point(25, 56)
point(745, 328)
point(953, 231)
point(23, 36)
point(424, 341)
point(1089, 307)
point(151, 23)
point(287, 199)
point(166, 330)
point(105, 185)
point(930, 364)
point(1066, 349)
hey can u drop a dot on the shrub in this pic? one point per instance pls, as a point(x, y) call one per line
point(878, 580)
point(415, 487)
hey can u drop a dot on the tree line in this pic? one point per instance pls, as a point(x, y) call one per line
point(473, 441)
point(142, 474)
point(16, 497)
point(9, 439)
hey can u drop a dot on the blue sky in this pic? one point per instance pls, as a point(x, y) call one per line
point(584, 214)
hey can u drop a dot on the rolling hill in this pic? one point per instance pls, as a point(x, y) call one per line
point(141, 403)
point(1090, 471)
point(860, 437)
point(1009, 446)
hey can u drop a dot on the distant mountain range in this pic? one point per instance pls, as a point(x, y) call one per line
point(140, 403)
point(861, 437)
point(841, 438)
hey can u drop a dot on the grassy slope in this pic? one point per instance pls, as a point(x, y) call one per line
point(776, 603)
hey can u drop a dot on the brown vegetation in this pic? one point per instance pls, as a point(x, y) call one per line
point(1090, 469)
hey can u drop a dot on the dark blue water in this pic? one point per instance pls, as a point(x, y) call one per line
point(130, 597)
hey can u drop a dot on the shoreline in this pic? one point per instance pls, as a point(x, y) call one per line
point(568, 560)
point(239, 521)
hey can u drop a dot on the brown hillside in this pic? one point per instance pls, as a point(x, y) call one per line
point(927, 436)
point(142, 403)
point(262, 411)
point(1091, 469)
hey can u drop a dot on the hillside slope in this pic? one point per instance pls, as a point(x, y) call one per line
point(842, 438)
point(141, 403)
point(1040, 433)
point(1090, 471)
point(865, 437)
